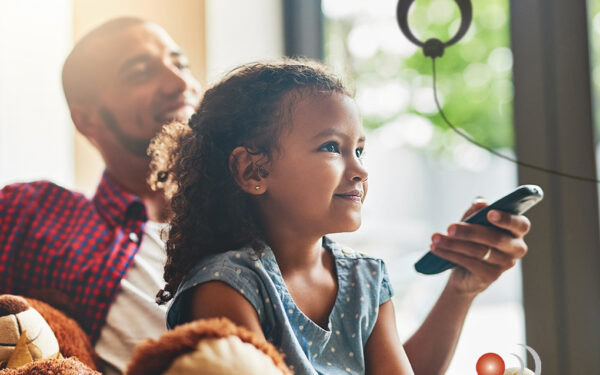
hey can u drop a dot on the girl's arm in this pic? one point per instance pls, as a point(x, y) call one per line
point(215, 299)
point(431, 348)
point(384, 353)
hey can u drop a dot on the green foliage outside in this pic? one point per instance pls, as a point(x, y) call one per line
point(474, 76)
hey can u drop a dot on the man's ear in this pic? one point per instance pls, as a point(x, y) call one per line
point(248, 170)
point(86, 120)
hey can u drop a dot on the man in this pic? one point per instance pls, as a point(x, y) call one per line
point(122, 82)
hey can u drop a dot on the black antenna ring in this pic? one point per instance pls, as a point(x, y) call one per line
point(434, 47)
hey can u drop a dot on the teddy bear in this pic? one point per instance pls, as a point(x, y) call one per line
point(44, 340)
point(37, 338)
point(26, 336)
point(214, 346)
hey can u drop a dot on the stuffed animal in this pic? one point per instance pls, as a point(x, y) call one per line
point(72, 340)
point(25, 335)
point(36, 338)
point(208, 347)
point(44, 340)
point(53, 366)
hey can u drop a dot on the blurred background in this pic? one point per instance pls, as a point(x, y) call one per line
point(516, 82)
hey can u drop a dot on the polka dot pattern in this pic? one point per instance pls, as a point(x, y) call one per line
point(337, 347)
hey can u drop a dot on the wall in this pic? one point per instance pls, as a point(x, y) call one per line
point(241, 31)
point(183, 19)
point(35, 131)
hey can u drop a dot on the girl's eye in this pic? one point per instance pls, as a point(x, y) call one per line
point(330, 147)
point(360, 152)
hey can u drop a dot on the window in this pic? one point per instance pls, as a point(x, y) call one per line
point(422, 175)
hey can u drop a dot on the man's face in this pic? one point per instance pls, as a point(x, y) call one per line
point(143, 83)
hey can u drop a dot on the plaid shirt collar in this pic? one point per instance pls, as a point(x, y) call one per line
point(114, 203)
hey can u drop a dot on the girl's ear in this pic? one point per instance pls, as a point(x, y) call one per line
point(247, 171)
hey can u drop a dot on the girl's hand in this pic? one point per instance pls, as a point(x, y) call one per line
point(482, 253)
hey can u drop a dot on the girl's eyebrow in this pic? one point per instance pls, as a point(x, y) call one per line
point(332, 131)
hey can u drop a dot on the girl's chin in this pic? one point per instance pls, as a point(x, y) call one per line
point(349, 226)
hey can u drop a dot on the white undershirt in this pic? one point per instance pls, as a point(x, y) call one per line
point(134, 315)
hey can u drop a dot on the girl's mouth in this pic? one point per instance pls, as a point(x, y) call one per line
point(353, 195)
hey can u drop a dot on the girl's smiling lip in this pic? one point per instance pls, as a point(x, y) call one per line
point(354, 195)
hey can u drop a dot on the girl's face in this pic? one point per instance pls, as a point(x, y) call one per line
point(316, 182)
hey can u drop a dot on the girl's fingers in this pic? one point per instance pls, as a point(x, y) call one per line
point(484, 270)
point(474, 250)
point(477, 205)
point(489, 237)
point(518, 225)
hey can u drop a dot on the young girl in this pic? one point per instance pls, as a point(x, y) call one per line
point(269, 165)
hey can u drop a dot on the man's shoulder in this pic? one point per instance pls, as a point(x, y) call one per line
point(37, 190)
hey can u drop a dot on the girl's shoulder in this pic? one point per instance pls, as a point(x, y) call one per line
point(364, 273)
point(244, 255)
point(240, 269)
point(345, 253)
point(233, 263)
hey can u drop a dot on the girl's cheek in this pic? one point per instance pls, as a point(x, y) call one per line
point(365, 189)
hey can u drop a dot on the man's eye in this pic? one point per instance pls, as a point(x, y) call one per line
point(139, 73)
point(182, 65)
point(330, 147)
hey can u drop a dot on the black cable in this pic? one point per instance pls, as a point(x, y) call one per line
point(468, 138)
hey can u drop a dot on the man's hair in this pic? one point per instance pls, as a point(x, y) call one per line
point(79, 69)
point(250, 107)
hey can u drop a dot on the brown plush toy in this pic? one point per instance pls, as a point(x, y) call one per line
point(64, 366)
point(25, 335)
point(36, 338)
point(208, 347)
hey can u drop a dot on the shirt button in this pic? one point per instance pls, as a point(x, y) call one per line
point(133, 237)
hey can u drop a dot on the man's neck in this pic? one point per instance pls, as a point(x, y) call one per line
point(157, 207)
point(134, 182)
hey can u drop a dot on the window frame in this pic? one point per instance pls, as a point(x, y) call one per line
point(554, 128)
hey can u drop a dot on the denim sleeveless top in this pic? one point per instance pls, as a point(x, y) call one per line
point(363, 285)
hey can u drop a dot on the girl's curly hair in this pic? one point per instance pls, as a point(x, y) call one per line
point(249, 108)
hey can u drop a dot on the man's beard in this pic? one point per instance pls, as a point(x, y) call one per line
point(135, 146)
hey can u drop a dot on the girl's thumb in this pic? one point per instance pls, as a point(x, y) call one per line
point(477, 204)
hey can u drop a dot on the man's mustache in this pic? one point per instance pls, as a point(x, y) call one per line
point(135, 146)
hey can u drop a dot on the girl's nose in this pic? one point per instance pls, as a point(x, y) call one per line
point(358, 172)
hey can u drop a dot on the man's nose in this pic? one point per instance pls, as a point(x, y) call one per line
point(177, 81)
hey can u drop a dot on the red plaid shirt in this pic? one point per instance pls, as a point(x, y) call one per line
point(54, 238)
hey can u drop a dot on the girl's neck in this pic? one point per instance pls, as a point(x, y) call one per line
point(295, 251)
